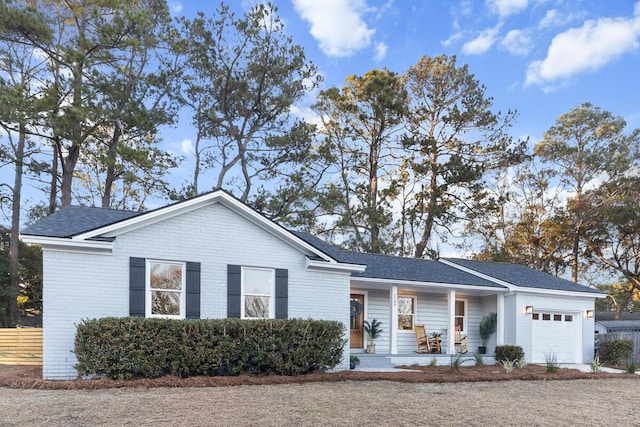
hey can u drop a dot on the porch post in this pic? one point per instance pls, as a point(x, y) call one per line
point(500, 319)
point(451, 328)
point(393, 320)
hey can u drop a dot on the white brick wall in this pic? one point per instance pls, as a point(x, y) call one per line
point(79, 286)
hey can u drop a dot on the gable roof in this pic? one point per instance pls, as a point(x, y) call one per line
point(72, 220)
point(95, 229)
point(399, 268)
point(522, 276)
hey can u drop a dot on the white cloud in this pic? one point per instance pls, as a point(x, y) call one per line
point(482, 43)
point(381, 51)
point(186, 146)
point(505, 8)
point(305, 114)
point(453, 38)
point(337, 25)
point(587, 48)
point(175, 7)
point(517, 42)
point(551, 18)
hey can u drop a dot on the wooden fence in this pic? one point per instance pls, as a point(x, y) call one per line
point(634, 336)
point(21, 346)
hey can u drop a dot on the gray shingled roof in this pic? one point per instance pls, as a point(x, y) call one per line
point(72, 220)
point(522, 276)
point(398, 268)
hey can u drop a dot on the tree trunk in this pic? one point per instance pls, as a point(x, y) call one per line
point(53, 191)
point(112, 157)
point(14, 238)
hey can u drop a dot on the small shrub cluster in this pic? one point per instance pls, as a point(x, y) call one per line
point(551, 363)
point(508, 352)
point(616, 352)
point(596, 365)
point(133, 347)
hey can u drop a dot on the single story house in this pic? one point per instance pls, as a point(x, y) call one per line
point(212, 256)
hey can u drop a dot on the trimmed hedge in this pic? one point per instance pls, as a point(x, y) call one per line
point(508, 353)
point(617, 352)
point(135, 347)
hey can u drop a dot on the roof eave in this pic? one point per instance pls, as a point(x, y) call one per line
point(316, 265)
point(64, 244)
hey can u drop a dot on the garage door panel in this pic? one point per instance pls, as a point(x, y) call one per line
point(555, 334)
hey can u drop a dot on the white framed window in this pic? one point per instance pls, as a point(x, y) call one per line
point(406, 312)
point(165, 283)
point(258, 293)
point(461, 315)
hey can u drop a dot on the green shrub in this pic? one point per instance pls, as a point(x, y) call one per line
point(508, 352)
point(133, 347)
point(551, 362)
point(630, 366)
point(616, 352)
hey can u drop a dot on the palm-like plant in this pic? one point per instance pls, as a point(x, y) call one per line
point(373, 329)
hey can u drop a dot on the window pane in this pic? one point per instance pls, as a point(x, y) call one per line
point(256, 306)
point(166, 276)
point(568, 318)
point(460, 323)
point(165, 303)
point(257, 281)
point(405, 305)
point(557, 317)
point(546, 316)
point(459, 308)
point(405, 322)
point(536, 316)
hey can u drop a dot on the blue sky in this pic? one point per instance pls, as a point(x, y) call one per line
point(539, 57)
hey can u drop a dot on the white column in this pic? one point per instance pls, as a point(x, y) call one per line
point(451, 328)
point(500, 319)
point(393, 320)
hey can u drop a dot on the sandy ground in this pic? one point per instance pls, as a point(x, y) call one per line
point(352, 403)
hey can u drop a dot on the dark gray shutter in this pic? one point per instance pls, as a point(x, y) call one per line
point(193, 290)
point(282, 293)
point(234, 290)
point(137, 291)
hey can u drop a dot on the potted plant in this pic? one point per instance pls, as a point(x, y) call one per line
point(353, 361)
point(487, 327)
point(373, 331)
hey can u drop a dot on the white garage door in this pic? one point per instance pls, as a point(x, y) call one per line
point(555, 334)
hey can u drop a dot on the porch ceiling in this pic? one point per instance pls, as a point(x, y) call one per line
point(426, 287)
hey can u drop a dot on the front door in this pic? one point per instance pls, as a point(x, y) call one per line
point(357, 319)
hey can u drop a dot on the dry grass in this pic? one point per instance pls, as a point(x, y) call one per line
point(350, 398)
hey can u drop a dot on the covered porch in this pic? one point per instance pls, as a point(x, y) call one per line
point(440, 307)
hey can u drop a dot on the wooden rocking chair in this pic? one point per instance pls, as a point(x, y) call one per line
point(461, 343)
point(426, 344)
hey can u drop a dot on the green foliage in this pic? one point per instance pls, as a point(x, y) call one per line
point(360, 123)
point(433, 361)
point(354, 360)
point(130, 347)
point(596, 365)
point(630, 366)
point(244, 75)
point(373, 329)
point(616, 352)
point(551, 363)
point(520, 363)
point(456, 362)
point(508, 352)
point(507, 365)
point(487, 326)
point(479, 360)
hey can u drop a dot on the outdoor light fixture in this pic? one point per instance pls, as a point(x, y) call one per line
point(528, 309)
point(589, 314)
